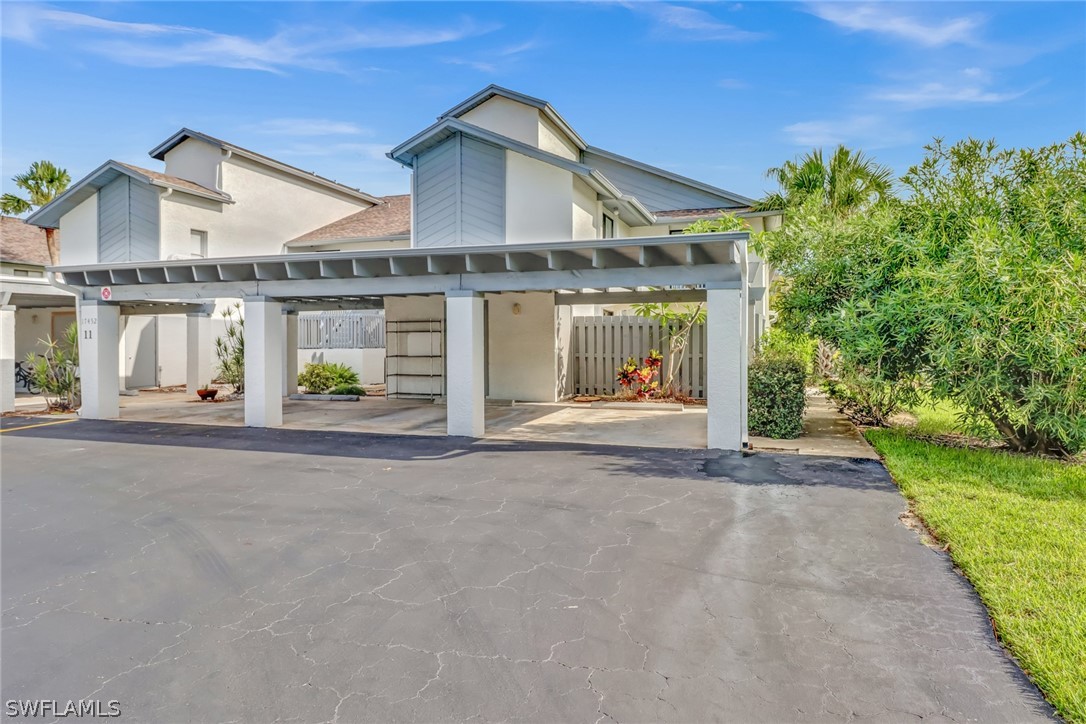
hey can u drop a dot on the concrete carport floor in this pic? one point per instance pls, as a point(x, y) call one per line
point(544, 422)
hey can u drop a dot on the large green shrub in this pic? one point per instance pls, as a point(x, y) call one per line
point(319, 377)
point(973, 287)
point(776, 396)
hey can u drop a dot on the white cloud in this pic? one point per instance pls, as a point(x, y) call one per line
point(155, 45)
point(495, 60)
point(936, 94)
point(971, 86)
point(692, 23)
point(307, 127)
point(887, 19)
point(868, 131)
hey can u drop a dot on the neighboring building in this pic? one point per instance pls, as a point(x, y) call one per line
point(514, 224)
point(213, 199)
point(32, 309)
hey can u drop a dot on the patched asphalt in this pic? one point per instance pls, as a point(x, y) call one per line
point(195, 574)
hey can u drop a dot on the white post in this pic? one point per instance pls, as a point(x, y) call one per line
point(199, 367)
point(7, 359)
point(466, 376)
point(290, 353)
point(263, 362)
point(725, 374)
point(99, 359)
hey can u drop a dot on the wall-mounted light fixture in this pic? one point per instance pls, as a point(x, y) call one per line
point(516, 308)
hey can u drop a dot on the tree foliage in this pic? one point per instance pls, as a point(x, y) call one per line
point(230, 349)
point(973, 286)
point(848, 182)
point(43, 182)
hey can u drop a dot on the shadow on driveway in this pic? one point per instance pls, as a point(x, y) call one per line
point(746, 469)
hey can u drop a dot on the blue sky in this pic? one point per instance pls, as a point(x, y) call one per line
point(716, 91)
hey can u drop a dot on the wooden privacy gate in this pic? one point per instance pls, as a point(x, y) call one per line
point(602, 344)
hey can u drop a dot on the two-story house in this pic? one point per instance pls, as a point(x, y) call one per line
point(213, 199)
point(512, 223)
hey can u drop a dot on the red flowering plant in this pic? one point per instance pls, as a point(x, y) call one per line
point(641, 380)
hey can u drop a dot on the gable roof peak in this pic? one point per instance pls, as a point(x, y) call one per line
point(541, 105)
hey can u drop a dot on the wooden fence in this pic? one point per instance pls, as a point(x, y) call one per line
point(346, 329)
point(602, 344)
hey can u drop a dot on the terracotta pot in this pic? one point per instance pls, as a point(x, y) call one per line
point(207, 394)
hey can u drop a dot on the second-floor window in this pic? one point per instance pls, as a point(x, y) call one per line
point(198, 244)
point(608, 227)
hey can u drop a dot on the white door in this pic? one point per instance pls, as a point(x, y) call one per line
point(140, 352)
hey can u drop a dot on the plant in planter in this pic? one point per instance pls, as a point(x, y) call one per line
point(641, 380)
point(319, 377)
point(207, 392)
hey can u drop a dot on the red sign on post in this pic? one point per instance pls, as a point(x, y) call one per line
point(106, 294)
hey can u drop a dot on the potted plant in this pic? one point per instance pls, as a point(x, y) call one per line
point(207, 392)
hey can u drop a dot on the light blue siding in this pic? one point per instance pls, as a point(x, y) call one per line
point(657, 193)
point(460, 194)
point(482, 193)
point(128, 221)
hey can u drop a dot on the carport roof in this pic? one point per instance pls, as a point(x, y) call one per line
point(598, 263)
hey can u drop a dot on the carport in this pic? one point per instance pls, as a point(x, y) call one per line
point(709, 267)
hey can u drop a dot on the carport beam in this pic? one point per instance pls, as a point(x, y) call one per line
point(199, 368)
point(465, 385)
point(99, 359)
point(725, 374)
point(7, 359)
point(263, 362)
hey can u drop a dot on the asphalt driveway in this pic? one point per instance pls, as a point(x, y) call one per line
point(198, 574)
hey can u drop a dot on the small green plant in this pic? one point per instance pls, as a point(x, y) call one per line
point(318, 377)
point(347, 390)
point(230, 349)
point(55, 371)
point(777, 397)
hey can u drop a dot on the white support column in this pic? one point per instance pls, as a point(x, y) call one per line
point(725, 372)
point(7, 359)
point(290, 353)
point(199, 366)
point(99, 359)
point(263, 362)
point(466, 375)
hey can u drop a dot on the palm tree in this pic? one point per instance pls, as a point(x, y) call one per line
point(850, 182)
point(43, 182)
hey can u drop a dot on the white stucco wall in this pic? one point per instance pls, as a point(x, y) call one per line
point(521, 347)
point(538, 201)
point(79, 234)
point(509, 118)
point(196, 161)
point(585, 211)
point(417, 344)
point(270, 208)
point(552, 139)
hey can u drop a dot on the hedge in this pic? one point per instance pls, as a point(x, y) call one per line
point(777, 396)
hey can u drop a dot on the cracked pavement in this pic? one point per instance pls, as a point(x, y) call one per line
point(230, 574)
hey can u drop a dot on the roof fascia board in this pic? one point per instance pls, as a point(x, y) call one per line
point(672, 176)
point(159, 153)
point(496, 90)
point(295, 244)
point(111, 165)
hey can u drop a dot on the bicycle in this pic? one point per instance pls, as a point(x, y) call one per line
point(25, 378)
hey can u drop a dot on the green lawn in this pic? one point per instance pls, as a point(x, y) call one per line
point(1017, 527)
